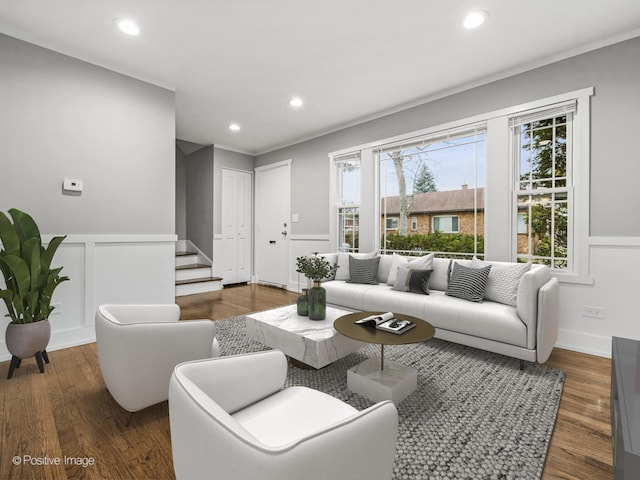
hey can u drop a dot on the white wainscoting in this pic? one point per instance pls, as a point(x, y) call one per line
point(304, 245)
point(104, 269)
point(613, 265)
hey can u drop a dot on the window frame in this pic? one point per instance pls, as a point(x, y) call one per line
point(445, 133)
point(499, 217)
point(433, 223)
point(534, 189)
point(340, 206)
point(394, 220)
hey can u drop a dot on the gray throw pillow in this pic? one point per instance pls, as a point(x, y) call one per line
point(363, 270)
point(468, 283)
point(343, 263)
point(412, 280)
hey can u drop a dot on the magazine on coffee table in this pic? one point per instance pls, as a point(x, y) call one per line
point(387, 323)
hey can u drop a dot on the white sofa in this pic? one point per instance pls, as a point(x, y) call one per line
point(526, 330)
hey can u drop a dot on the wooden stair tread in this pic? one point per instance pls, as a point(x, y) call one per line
point(192, 265)
point(198, 280)
point(183, 253)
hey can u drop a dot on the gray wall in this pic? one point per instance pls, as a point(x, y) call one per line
point(181, 194)
point(199, 217)
point(64, 118)
point(226, 159)
point(613, 71)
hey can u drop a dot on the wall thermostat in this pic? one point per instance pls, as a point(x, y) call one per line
point(72, 185)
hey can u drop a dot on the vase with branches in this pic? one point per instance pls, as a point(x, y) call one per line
point(317, 269)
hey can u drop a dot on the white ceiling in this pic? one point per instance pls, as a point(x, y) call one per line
point(350, 60)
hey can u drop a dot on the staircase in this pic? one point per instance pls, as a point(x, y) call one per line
point(193, 272)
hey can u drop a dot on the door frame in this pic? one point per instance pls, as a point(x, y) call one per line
point(257, 213)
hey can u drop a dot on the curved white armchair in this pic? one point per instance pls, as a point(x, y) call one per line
point(140, 345)
point(231, 418)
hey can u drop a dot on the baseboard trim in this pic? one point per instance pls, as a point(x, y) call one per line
point(598, 345)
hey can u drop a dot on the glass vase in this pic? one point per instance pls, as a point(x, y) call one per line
point(303, 303)
point(317, 302)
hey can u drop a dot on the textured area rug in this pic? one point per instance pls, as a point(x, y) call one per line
point(474, 415)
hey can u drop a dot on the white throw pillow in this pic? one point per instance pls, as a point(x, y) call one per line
point(440, 277)
point(343, 263)
point(416, 263)
point(503, 281)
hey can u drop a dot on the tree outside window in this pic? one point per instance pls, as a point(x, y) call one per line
point(542, 191)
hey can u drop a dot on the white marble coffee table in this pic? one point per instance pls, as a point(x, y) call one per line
point(313, 342)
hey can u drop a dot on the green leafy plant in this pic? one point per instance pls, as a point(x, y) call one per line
point(26, 267)
point(316, 268)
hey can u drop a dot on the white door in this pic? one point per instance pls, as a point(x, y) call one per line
point(234, 259)
point(273, 205)
point(244, 227)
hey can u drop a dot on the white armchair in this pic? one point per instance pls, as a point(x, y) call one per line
point(231, 418)
point(140, 345)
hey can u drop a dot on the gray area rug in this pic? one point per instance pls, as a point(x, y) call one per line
point(474, 415)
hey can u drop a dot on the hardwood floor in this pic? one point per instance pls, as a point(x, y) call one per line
point(66, 415)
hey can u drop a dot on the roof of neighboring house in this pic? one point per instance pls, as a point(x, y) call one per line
point(436, 202)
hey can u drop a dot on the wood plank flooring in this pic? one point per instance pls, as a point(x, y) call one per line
point(66, 415)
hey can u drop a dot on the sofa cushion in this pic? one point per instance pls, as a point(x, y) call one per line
point(363, 270)
point(417, 263)
point(491, 320)
point(383, 298)
point(350, 295)
point(414, 281)
point(503, 281)
point(343, 263)
point(468, 283)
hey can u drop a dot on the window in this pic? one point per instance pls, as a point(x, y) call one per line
point(539, 152)
point(391, 223)
point(446, 224)
point(522, 224)
point(543, 146)
point(348, 202)
point(440, 178)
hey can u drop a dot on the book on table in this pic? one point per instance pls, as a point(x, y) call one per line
point(387, 323)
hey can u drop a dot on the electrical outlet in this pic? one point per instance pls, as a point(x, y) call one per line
point(593, 312)
point(57, 308)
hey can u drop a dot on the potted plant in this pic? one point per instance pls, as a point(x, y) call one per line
point(29, 285)
point(317, 269)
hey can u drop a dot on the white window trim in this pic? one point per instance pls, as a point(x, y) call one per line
point(370, 236)
point(578, 194)
point(334, 204)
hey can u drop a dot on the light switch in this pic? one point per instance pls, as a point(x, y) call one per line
point(295, 218)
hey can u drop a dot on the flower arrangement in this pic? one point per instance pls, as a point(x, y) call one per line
point(316, 268)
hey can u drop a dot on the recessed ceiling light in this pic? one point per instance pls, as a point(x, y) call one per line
point(234, 127)
point(474, 19)
point(296, 102)
point(127, 26)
